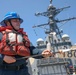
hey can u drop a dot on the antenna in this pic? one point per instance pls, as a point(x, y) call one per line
point(54, 34)
point(50, 1)
point(51, 13)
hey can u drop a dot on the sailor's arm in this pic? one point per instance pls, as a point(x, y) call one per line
point(43, 53)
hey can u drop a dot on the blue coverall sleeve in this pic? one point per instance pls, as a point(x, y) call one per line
point(1, 56)
point(1, 59)
point(35, 51)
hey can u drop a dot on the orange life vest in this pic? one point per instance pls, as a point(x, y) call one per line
point(14, 43)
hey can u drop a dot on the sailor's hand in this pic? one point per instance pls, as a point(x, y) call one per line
point(46, 53)
point(9, 59)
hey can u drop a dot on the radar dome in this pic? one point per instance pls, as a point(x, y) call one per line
point(65, 37)
point(40, 41)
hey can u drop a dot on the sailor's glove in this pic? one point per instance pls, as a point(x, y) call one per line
point(9, 59)
point(46, 53)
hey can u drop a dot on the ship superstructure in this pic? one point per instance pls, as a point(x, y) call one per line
point(63, 60)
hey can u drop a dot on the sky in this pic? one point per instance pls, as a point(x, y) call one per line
point(27, 9)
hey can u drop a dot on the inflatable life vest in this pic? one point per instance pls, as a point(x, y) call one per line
point(14, 43)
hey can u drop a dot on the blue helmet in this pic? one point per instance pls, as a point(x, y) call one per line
point(10, 15)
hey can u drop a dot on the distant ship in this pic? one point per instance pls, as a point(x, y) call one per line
point(63, 61)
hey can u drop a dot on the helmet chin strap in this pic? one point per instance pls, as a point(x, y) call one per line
point(12, 25)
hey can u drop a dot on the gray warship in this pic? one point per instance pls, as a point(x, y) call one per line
point(63, 60)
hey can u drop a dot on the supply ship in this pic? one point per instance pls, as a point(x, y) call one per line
point(63, 60)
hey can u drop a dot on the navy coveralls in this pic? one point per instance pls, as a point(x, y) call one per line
point(17, 68)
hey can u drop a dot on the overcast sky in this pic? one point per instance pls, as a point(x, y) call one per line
point(27, 8)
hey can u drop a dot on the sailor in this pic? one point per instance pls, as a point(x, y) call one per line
point(14, 44)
